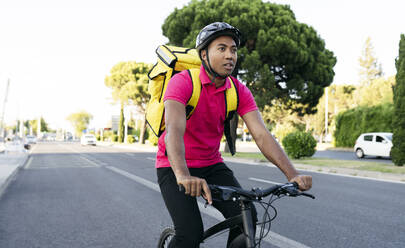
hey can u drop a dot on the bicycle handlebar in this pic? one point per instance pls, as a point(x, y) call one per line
point(226, 193)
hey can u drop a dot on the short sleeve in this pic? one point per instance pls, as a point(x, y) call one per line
point(179, 88)
point(246, 101)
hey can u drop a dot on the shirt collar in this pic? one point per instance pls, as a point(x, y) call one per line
point(205, 79)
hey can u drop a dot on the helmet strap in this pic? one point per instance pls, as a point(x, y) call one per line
point(211, 71)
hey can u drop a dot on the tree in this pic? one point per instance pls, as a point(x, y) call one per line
point(129, 83)
point(135, 91)
point(34, 125)
point(340, 98)
point(80, 121)
point(398, 149)
point(377, 92)
point(282, 120)
point(119, 76)
point(370, 67)
point(279, 58)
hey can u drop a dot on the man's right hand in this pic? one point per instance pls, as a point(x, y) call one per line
point(195, 186)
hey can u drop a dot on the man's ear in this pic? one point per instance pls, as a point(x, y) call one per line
point(204, 54)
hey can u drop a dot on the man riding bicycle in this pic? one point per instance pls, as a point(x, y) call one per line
point(188, 151)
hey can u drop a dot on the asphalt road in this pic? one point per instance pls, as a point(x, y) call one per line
point(73, 196)
point(344, 155)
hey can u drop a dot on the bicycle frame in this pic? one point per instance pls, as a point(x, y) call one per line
point(245, 198)
point(245, 218)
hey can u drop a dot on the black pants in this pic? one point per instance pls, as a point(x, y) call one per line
point(184, 210)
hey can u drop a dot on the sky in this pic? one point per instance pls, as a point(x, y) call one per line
point(56, 53)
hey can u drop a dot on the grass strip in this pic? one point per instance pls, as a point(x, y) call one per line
point(326, 162)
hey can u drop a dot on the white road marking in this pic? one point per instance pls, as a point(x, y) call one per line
point(133, 177)
point(262, 180)
point(27, 165)
point(62, 167)
point(151, 158)
point(273, 238)
point(89, 161)
point(96, 164)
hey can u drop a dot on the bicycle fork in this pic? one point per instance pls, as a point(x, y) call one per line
point(248, 225)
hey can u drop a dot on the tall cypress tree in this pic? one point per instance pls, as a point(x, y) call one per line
point(398, 149)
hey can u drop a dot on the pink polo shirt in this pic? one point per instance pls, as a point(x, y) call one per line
point(205, 127)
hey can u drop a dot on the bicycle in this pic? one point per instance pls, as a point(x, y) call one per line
point(244, 197)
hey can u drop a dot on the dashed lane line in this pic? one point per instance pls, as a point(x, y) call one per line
point(96, 164)
point(262, 180)
point(62, 167)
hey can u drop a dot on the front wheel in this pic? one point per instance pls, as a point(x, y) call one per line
point(165, 238)
point(359, 153)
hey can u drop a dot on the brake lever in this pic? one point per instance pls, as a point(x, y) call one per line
point(290, 190)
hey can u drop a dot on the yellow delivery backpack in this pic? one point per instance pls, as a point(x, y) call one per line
point(172, 60)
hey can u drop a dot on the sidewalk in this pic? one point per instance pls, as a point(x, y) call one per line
point(10, 163)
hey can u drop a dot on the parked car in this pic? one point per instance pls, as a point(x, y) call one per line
point(373, 144)
point(88, 139)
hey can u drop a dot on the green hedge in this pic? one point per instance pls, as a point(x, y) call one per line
point(353, 122)
point(299, 144)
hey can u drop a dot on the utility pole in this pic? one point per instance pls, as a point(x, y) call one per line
point(39, 128)
point(21, 129)
point(4, 109)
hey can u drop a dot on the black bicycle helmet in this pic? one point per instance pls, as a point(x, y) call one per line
point(213, 31)
point(210, 33)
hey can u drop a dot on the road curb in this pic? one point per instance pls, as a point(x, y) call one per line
point(309, 168)
point(12, 176)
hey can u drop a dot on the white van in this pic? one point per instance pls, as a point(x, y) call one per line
point(373, 144)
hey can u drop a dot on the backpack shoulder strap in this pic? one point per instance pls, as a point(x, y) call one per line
point(231, 100)
point(195, 95)
point(231, 105)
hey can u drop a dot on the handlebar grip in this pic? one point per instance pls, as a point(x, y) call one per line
point(295, 184)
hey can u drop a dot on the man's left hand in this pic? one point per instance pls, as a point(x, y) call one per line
point(304, 182)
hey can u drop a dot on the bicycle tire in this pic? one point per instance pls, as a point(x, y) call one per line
point(165, 237)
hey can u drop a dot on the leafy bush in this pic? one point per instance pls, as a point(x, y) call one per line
point(282, 130)
point(353, 122)
point(299, 144)
point(130, 139)
point(107, 135)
